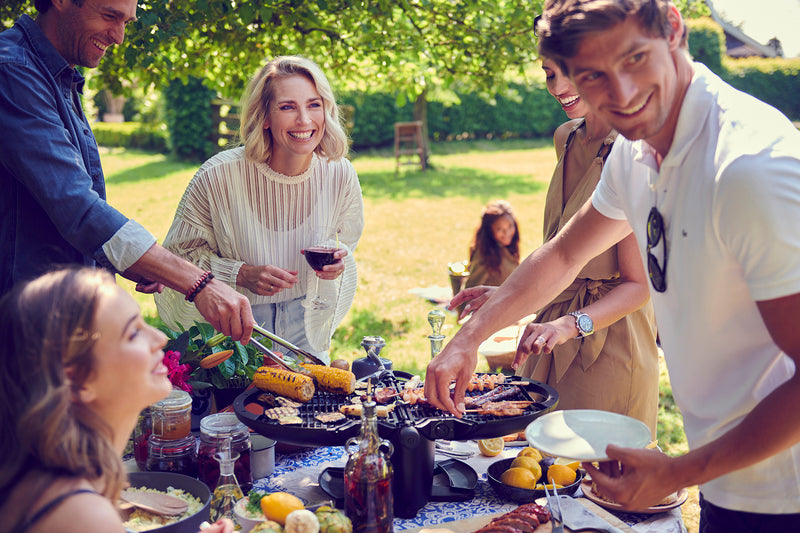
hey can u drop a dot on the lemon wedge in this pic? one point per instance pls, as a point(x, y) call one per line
point(491, 447)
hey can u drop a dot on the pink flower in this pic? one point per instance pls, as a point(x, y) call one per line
point(178, 373)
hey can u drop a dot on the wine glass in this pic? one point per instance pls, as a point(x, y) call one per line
point(319, 254)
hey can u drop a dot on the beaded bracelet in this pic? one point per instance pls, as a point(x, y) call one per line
point(199, 285)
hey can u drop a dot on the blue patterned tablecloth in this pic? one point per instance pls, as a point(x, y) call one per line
point(298, 474)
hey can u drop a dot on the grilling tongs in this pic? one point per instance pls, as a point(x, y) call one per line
point(286, 344)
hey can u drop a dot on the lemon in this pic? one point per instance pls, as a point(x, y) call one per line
point(561, 475)
point(491, 447)
point(530, 463)
point(277, 506)
point(569, 463)
point(529, 451)
point(518, 477)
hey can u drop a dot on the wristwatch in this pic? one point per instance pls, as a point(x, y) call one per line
point(583, 322)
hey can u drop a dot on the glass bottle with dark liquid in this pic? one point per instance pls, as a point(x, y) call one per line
point(368, 500)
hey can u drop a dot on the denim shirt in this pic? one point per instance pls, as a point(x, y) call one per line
point(53, 207)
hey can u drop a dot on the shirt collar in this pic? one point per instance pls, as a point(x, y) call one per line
point(48, 54)
point(695, 108)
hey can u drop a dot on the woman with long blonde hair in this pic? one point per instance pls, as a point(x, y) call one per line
point(249, 211)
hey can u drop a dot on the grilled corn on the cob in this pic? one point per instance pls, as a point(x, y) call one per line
point(330, 379)
point(284, 383)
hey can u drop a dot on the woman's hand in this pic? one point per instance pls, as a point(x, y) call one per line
point(334, 270)
point(149, 287)
point(476, 296)
point(542, 338)
point(266, 280)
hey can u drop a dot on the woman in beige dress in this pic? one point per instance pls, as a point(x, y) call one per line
point(612, 364)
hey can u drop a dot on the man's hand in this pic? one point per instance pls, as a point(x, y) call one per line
point(476, 296)
point(452, 363)
point(634, 478)
point(226, 310)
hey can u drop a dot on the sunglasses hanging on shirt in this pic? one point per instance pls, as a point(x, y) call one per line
point(655, 232)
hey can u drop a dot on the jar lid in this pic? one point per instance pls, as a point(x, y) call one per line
point(221, 425)
point(158, 447)
point(177, 400)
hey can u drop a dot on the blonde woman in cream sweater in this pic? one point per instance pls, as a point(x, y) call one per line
point(249, 211)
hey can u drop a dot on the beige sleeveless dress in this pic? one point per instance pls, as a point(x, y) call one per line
point(615, 369)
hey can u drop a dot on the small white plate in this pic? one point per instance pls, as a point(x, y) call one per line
point(583, 434)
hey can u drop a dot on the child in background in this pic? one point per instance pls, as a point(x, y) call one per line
point(494, 253)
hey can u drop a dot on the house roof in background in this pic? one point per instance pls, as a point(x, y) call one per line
point(739, 44)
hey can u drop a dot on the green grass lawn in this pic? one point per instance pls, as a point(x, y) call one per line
point(416, 223)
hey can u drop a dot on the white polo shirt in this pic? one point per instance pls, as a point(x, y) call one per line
point(729, 194)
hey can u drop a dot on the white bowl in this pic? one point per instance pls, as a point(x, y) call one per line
point(245, 519)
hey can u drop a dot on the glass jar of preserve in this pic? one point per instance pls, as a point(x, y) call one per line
point(179, 456)
point(214, 430)
point(172, 416)
point(141, 438)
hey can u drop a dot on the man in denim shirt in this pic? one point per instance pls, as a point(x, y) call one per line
point(53, 207)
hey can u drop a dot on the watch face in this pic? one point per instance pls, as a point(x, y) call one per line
point(585, 323)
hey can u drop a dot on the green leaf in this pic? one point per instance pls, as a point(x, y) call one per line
point(227, 369)
point(247, 12)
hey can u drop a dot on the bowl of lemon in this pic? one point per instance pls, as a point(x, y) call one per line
point(522, 479)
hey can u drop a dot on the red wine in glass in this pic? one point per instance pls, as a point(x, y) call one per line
point(319, 256)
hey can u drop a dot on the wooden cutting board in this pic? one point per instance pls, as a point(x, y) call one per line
point(468, 525)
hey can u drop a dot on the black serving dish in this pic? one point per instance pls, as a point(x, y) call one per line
point(518, 494)
point(162, 480)
point(461, 481)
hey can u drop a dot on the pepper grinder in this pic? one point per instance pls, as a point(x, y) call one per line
point(436, 320)
point(372, 363)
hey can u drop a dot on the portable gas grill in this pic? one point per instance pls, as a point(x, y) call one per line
point(412, 430)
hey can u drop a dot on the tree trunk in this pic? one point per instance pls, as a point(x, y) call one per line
point(421, 114)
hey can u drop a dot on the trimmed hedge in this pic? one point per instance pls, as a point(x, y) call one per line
point(520, 112)
point(151, 137)
point(706, 43)
point(776, 81)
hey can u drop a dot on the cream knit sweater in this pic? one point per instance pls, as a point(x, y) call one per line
point(235, 211)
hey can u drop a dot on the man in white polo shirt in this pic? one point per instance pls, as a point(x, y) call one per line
point(708, 179)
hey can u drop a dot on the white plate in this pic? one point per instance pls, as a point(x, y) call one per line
point(583, 434)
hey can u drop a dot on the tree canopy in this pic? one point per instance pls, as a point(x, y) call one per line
point(407, 46)
point(364, 44)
